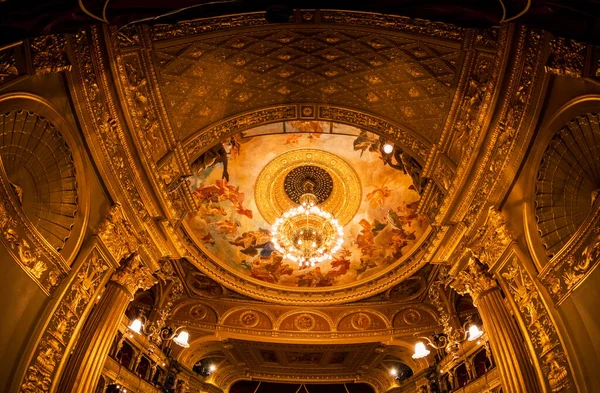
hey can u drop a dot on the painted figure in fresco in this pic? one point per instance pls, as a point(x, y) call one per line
point(214, 155)
point(405, 163)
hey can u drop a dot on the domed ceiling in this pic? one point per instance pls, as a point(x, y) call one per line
point(239, 201)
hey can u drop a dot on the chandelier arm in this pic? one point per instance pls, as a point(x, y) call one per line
point(431, 344)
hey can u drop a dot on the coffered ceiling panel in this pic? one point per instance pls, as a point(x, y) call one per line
point(404, 79)
point(303, 360)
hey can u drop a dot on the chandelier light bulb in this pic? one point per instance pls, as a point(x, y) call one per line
point(420, 351)
point(307, 234)
point(136, 326)
point(474, 332)
point(182, 339)
point(393, 372)
point(388, 148)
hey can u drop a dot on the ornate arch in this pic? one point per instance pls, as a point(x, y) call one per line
point(45, 134)
point(558, 132)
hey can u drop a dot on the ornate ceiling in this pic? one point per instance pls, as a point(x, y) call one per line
point(196, 126)
point(336, 86)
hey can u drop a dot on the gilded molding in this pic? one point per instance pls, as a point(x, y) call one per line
point(514, 107)
point(49, 54)
point(563, 274)
point(197, 144)
point(42, 263)
point(67, 317)
point(395, 23)
point(539, 325)
point(473, 112)
point(186, 29)
point(101, 122)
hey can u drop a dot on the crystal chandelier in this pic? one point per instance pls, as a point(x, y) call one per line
point(307, 234)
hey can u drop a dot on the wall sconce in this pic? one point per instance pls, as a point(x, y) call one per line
point(179, 335)
point(471, 334)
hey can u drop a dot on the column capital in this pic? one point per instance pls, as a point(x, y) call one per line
point(134, 275)
point(474, 279)
point(118, 234)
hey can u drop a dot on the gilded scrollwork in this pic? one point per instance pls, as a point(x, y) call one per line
point(490, 240)
point(540, 326)
point(68, 317)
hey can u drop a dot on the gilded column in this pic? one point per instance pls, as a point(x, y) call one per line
point(85, 365)
point(511, 356)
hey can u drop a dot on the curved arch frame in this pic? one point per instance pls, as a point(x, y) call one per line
point(548, 130)
point(41, 106)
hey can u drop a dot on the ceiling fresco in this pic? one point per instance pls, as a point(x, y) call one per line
point(236, 205)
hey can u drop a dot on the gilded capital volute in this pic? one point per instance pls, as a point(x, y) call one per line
point(474, 279)
point(134, 275)
point(117, 233)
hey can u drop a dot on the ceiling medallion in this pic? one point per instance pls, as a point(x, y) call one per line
point(280, 184)
point(308, 234)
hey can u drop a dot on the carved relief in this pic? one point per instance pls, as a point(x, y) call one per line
point(40, 165)
point(117, 233)
point(248, 319)
point(539, 325)
point(8, 65)
point(567, 57)
point(49, 54)
point(141, 105)
point(99, 109)
point(33, 254)
point(490, 240)
point(304, 322)
point(504, 135)
point(65, 321)
point(474, 280)
point(579, 257)
point(134, 275)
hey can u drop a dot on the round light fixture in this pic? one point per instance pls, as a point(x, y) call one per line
point(388, 148)
point(307, 234)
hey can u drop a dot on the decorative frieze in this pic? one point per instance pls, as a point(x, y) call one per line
point(539, 325)
point(68, 315)
point(575, 261)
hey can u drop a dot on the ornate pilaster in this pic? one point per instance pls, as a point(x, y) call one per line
point(85, 365)
point(117, 233)
point(516, 371)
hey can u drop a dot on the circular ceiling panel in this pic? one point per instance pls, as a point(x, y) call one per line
point(230, 230)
